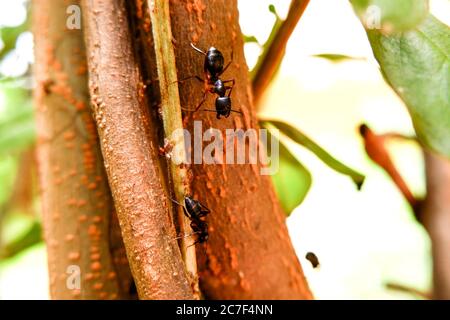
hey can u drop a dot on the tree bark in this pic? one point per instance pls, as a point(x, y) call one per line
point(249, 252)
point(130, 145)
point(78, 214)
point(435, 217)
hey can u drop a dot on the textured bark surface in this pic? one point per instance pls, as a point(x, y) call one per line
point(435, 216)
point(129, 145)
point(78, 214)
point(249, 252)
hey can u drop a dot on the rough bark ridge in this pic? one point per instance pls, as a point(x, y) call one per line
point(130, 148)
point(78, 214)
point(249, 253)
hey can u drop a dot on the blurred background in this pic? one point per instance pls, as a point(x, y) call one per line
point(363, 239)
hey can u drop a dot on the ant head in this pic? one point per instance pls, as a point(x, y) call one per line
point(192, 206)
point(223, 106)
point(214, 61)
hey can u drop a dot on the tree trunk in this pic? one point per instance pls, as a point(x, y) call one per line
point(129, 143)
point(249, 252)
point(83, 238)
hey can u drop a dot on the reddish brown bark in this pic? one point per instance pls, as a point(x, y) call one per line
point(130, 148)
point(250, 255)
point(78, 213)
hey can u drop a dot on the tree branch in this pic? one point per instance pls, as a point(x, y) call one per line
point(76, 202)
point(274, 50)
point(249, 254)
point(129, 143)
point(435, 217)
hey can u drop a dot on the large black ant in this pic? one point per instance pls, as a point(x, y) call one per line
point(213, 68)
point(196, 212)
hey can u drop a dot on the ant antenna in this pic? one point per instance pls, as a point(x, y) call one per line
point(175, 201)
point(197, 49)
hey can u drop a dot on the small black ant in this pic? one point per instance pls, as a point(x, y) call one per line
point(196, 212)
point(213, 68)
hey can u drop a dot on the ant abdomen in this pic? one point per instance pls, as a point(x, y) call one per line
point(223, 106)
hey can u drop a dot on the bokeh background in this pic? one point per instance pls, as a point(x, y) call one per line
point(364, 239)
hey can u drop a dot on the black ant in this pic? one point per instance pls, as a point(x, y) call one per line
point(196, 212)
point(213, 68)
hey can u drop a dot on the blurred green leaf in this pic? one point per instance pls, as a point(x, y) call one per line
point(416, 64)
point(292, 180)
point(333, 57)
point(391, 15)
point(31, 237)
point(17, 127)
point(9, 36)
point(300, 138)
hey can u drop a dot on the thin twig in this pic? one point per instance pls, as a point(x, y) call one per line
point(376, 150)
point(406, 289)
point(274, 49)
point(171, 114)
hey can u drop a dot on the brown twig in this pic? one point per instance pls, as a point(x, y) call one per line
point(270, 60)
point(376, 150)
point(406, 289)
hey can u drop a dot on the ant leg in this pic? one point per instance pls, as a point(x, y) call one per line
point(193, 244)
point(189, 78)
point(233, 82)
point(186, 236)
point(206, 208)
point(197, 49)
point(175, 201)
point(228, 64)
point(198, 107)
point(184, 208)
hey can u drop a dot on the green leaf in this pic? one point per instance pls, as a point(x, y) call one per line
point(300, 138)
point(416, 65)
point(334, 57)
point(391, 15)
point(31, 237)
point(273, 10)
point(17, 126)
point(292, 180)
point(9, 36)
point(249, 39)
